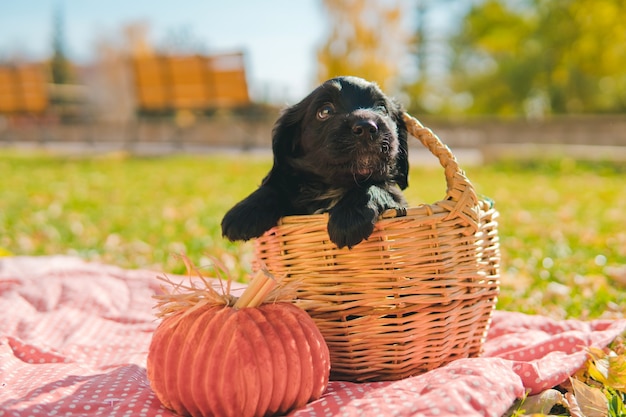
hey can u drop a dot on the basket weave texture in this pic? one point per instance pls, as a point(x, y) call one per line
point(419, 293)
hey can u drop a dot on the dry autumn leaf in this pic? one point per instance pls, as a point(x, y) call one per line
point(609, 369)
point(543, 403)
point(591, 401)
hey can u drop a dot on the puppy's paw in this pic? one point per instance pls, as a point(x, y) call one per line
point(349, 227)
point(252, 217)
point(243, 223)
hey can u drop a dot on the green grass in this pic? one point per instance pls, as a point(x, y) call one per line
point(562, 224)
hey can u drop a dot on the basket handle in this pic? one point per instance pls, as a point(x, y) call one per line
point(459, 188)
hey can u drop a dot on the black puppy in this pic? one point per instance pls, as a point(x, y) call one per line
point(341, 150)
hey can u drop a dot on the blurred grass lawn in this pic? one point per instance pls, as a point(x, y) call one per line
point(562, 224)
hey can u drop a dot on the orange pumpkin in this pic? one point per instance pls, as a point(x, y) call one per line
point(217, 360)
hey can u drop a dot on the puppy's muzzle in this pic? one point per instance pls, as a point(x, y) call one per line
point(365, 129)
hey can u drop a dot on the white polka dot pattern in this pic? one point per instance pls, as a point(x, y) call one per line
point(74, 339)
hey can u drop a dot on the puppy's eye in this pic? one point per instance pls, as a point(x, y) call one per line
point(325, 111)
point(381, 107)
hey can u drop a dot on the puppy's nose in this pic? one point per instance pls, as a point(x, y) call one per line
point(365, 129)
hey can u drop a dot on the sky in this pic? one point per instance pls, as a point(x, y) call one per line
point(278, 37)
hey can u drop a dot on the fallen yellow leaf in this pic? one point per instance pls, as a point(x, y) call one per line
point(609, 369)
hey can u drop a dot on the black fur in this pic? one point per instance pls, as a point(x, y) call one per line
point(342, 150)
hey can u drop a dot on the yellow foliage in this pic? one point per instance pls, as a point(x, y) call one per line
point(366, 39)
point(608, 368)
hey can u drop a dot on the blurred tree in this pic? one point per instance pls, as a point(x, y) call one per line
point(60, 66)
point(366, 39)
point(427, 88)
point(537, 57)
point(136, 39)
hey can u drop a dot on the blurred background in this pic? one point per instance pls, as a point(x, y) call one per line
point(529, 94)
point(155, 76)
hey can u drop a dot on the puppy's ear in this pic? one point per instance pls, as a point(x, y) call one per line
point(402, 160)
point(286, 138)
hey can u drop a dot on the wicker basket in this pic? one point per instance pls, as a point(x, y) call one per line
point(416, 295)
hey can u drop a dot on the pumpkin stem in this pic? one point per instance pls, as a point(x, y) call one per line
point(258, 289)
point(181, 296)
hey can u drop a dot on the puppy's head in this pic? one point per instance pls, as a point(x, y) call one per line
point(345, 131)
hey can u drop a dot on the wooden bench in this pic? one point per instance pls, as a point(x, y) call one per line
point(193, 82)
point(23, 89)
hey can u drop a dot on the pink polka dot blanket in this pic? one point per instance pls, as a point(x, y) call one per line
point(74, 338)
